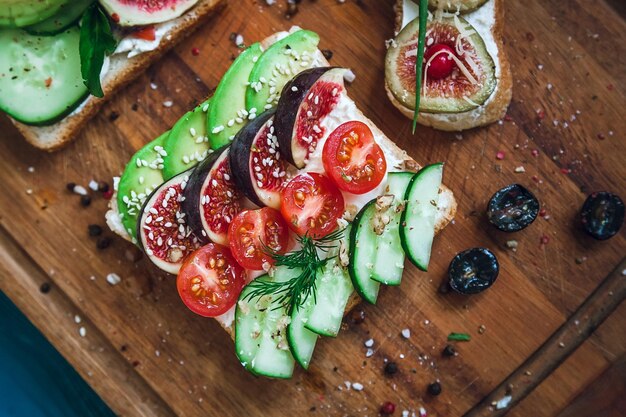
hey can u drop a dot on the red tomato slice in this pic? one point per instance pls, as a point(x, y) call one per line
point(352, 159)
point(251, 231)
point(210, 281)
point(311, 204)
point(147, 33)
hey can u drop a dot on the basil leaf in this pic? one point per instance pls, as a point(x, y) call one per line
point(96, 41)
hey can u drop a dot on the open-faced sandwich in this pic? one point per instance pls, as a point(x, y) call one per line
point(60, 59)
point(459, 63)
point(279, 204)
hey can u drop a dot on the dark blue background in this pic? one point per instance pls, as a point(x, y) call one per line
point(35, 380)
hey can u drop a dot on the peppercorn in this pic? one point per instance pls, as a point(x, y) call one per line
point(85, 200)
point(434, 388)
point(70, 186)
point(94, 230)
point(391, 368)
point(328, 54)
point(449, 351)
point(44, 288)
point(387, 408)
point(103, 243)
point(103, 187)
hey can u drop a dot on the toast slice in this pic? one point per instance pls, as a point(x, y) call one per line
point(491, 15)
point(122, 70)
point(446, 208)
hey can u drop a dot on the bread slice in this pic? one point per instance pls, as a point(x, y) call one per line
point(446, 209)
point(494, 109)
point(122, 70)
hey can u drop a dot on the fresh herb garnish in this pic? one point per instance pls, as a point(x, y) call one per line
point(421, 38)
point(292, 294)
point(96, 41)
point(460, 337)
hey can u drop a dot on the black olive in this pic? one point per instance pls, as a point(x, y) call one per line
point(512, 208)
point(473, 271)
point(602, 215)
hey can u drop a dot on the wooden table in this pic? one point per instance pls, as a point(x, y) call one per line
point(146, 355)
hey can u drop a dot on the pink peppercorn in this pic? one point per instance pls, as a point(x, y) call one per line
point(195, 51)
point(387, 408)
point(500, 155)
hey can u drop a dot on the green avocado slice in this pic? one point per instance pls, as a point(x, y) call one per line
point(142, 175)
point(227, 118)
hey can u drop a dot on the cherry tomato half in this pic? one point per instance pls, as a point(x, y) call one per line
point(311, 204)
point(210, 281)
point(251, 231)
point(147, 33)
point(352, 159)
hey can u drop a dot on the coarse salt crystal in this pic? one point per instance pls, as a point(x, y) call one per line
point(80, 190)
point(77, 319)
point(503, 402)
point(369, 343)
point(357, 386)
point(113, 278)
point(82, 331)
point(406, 333)
point(93, 185)
point(168, 103)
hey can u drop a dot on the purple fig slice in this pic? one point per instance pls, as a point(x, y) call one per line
point(304, 103)
point(163, 231)
point(256, 163)
point(145, 12)
point(212, 199)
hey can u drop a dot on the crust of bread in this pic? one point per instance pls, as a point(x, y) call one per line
point(122, 70)
point(445, 216)
point(493, 111)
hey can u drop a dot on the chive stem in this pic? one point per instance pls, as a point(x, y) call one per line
point(423, 17)
point(459, 337)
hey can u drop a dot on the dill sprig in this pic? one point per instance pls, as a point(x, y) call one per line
point(293, 293)
point(421, 37)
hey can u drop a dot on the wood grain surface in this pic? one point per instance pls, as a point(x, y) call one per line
point(148, 356)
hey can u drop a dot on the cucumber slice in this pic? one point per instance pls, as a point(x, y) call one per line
point(260, 340)
point(277, 65)
point(363, 253)
point(187, 143)
point(333, 291)
point(65, 17)
point(301, 340)
point(17, 13)
point(227, 118)
point(417, 228)
point(389, 260)
point(141, 176)
point(40, 78)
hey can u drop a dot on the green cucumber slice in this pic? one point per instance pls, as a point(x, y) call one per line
point(40, 78)
point(141, 176)
point(17, 13)
point(362, 254)
point(277, 65)
point(417, 228)
point(65, 17)
point(333, 290)
point(389, 260)
point(227, 118)
point(187, 143)
point(260, 336)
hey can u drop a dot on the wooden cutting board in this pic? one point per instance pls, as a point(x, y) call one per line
point(147, 355)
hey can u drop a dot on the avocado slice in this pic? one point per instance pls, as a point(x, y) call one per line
point(277, 65)
point(225, 120)
point(455, 93)
point(141, 176)
point(187, 144)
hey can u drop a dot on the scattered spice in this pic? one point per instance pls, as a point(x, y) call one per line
point(103, 243)
point(581, 260)
point(85, 201)
point(195, 51)
point(500, 155)
point(601, 136)
point(387, 408)
point(113, 116)
point(103, 186)
point(434, 388)
point(107, 195)
point(448, 351)
point(48, 82)
point(565, 171)
point(94, 230)
point(113, 278)
point(512, 244)
point(534, 152)
point(544, 240)
point(391, 368)
point(45, 288)
point(406, 333)
point(70, 186)
point(481, 329)
point(328, 54)
point(459, 337)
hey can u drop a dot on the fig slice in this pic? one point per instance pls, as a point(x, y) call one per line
point(145, 12)
point(211, 198)
point(304, 103)
point(163, 231)
point(256, 163)
point(469, 85)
